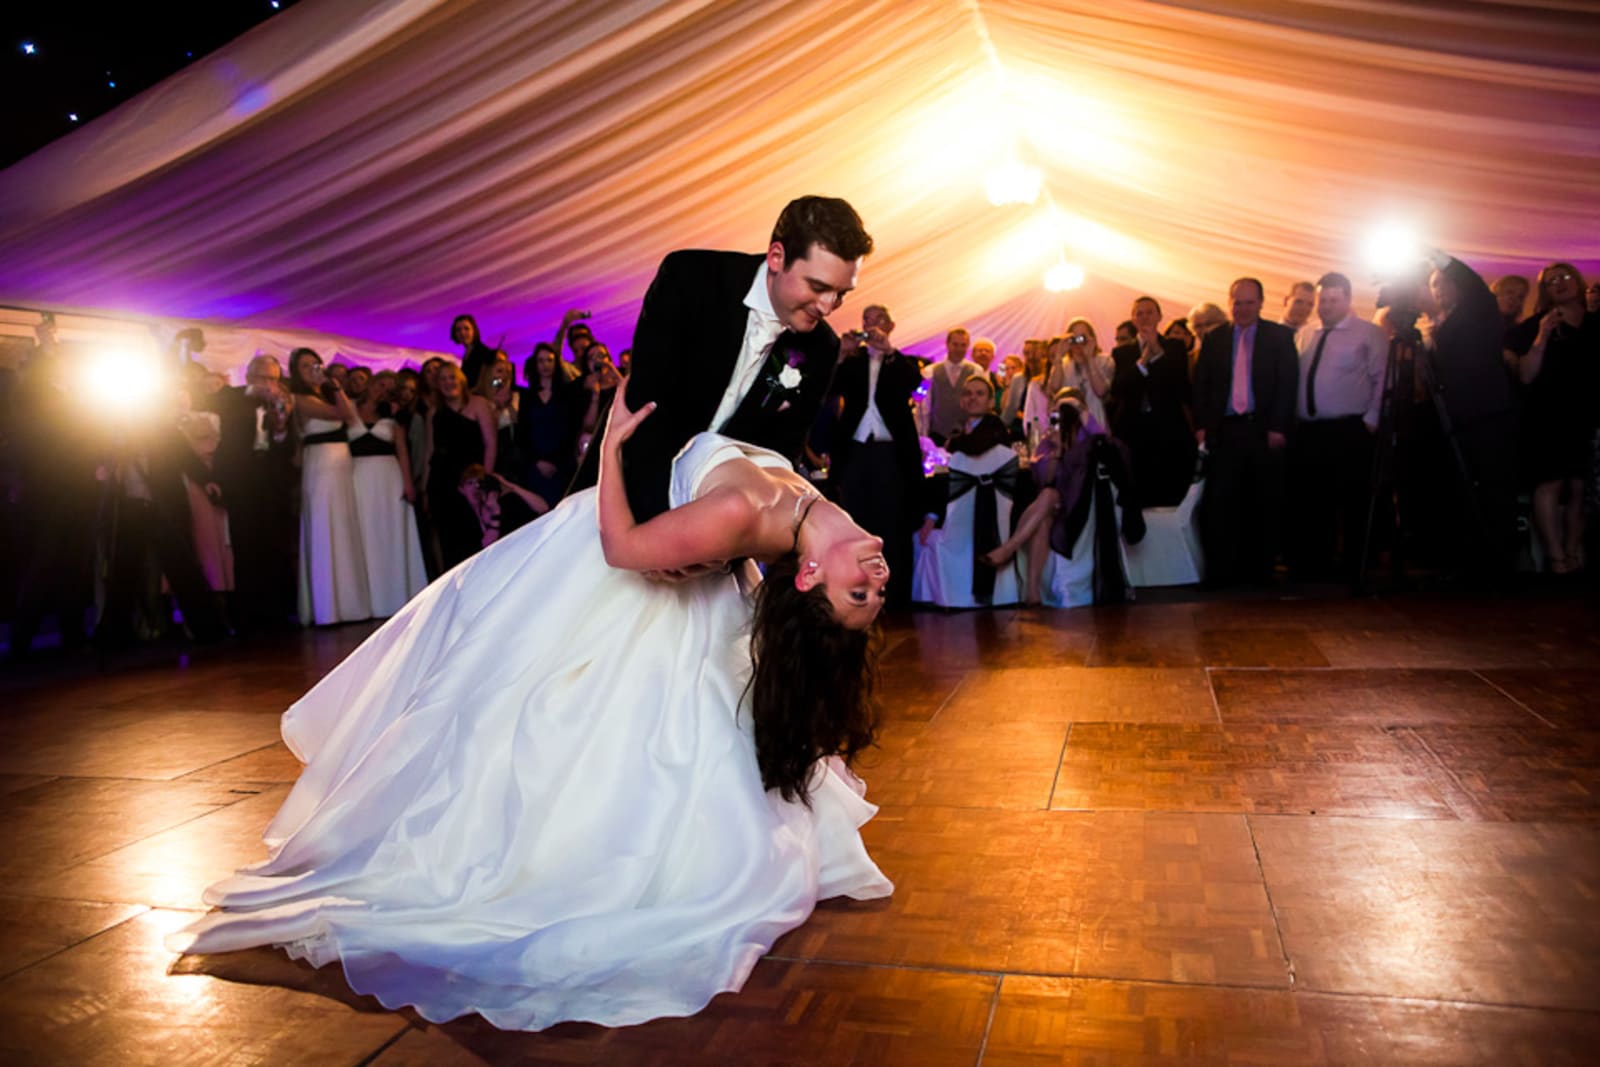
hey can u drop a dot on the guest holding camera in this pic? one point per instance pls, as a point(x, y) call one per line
point(1074, 521)
point(1078, 363)
point(577, 335)
point(876, 452)
point(600, 381)
point(499, 390)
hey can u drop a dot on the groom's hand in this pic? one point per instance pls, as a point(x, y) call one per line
point(685, 574)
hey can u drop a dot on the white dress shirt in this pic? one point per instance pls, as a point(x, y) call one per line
point(872, 424)
point(1350, 373)
point(761, 330)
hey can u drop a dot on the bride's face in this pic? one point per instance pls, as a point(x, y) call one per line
point(854, 576)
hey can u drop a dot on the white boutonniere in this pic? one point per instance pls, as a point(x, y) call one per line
point(783, 378)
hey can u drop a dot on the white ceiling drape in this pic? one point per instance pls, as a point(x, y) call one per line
point(370, 168)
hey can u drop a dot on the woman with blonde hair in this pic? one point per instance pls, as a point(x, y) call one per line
point(333, 567)
point(1078, 362)
point(464, 433)
point(1558, 364)
point(498, 387)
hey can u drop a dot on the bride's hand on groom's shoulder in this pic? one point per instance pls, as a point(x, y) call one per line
point(622, 421)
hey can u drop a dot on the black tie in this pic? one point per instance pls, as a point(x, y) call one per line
point(1311, 375)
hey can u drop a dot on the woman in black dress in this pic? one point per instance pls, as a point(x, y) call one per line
point(498, 387)
point(463, 434)
point(475, 355)
point(1557, 352)
point(547, 426)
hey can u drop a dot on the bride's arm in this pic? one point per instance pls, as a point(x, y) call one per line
point(718, 526)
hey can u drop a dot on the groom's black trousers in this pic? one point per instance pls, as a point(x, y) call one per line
point(871, 487)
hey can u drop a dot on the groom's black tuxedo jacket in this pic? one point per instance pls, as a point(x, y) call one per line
point(691, 328)
point(898, 378)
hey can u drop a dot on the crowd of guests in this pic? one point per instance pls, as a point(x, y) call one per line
point(318, 492)
point(1312, 451)
point(314, 493)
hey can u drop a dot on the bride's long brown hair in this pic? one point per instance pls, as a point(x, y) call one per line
point(814, 684)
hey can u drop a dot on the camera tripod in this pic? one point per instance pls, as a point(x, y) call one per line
point(1406, 351)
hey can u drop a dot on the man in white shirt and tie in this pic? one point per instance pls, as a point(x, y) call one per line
point(876, 452)
point(1342, 361)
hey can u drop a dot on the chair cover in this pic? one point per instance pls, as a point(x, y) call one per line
point(1170, 552)
point(1069, 583)
point(942, 572)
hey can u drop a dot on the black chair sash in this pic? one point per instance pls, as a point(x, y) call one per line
point(986, 516)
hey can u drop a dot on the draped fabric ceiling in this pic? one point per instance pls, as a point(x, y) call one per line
point(369, 168)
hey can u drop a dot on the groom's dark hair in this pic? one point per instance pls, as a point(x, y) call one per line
point(824, 220)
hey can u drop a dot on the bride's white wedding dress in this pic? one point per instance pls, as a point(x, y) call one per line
point(533, 794)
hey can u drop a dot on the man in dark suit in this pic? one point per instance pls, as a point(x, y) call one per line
point(1244, 404)
point(737, 344)
point(1149, 408)
point(876, 453)
point(255, 471)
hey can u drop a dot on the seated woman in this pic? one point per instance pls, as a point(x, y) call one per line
point(1072, 493)
point(610, 827)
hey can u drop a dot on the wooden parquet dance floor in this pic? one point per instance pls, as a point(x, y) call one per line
point(1262, 831)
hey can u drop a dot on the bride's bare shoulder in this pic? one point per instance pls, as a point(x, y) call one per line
point(734, 475)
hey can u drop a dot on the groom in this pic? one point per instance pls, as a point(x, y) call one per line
point(736, 343)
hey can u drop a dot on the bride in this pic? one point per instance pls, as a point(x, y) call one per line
point(557, 787)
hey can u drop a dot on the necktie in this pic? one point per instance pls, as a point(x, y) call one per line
point(1311, 375)
point(1241, 375)
point(760, 334)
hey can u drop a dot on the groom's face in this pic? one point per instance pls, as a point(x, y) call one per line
point(806, 291)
